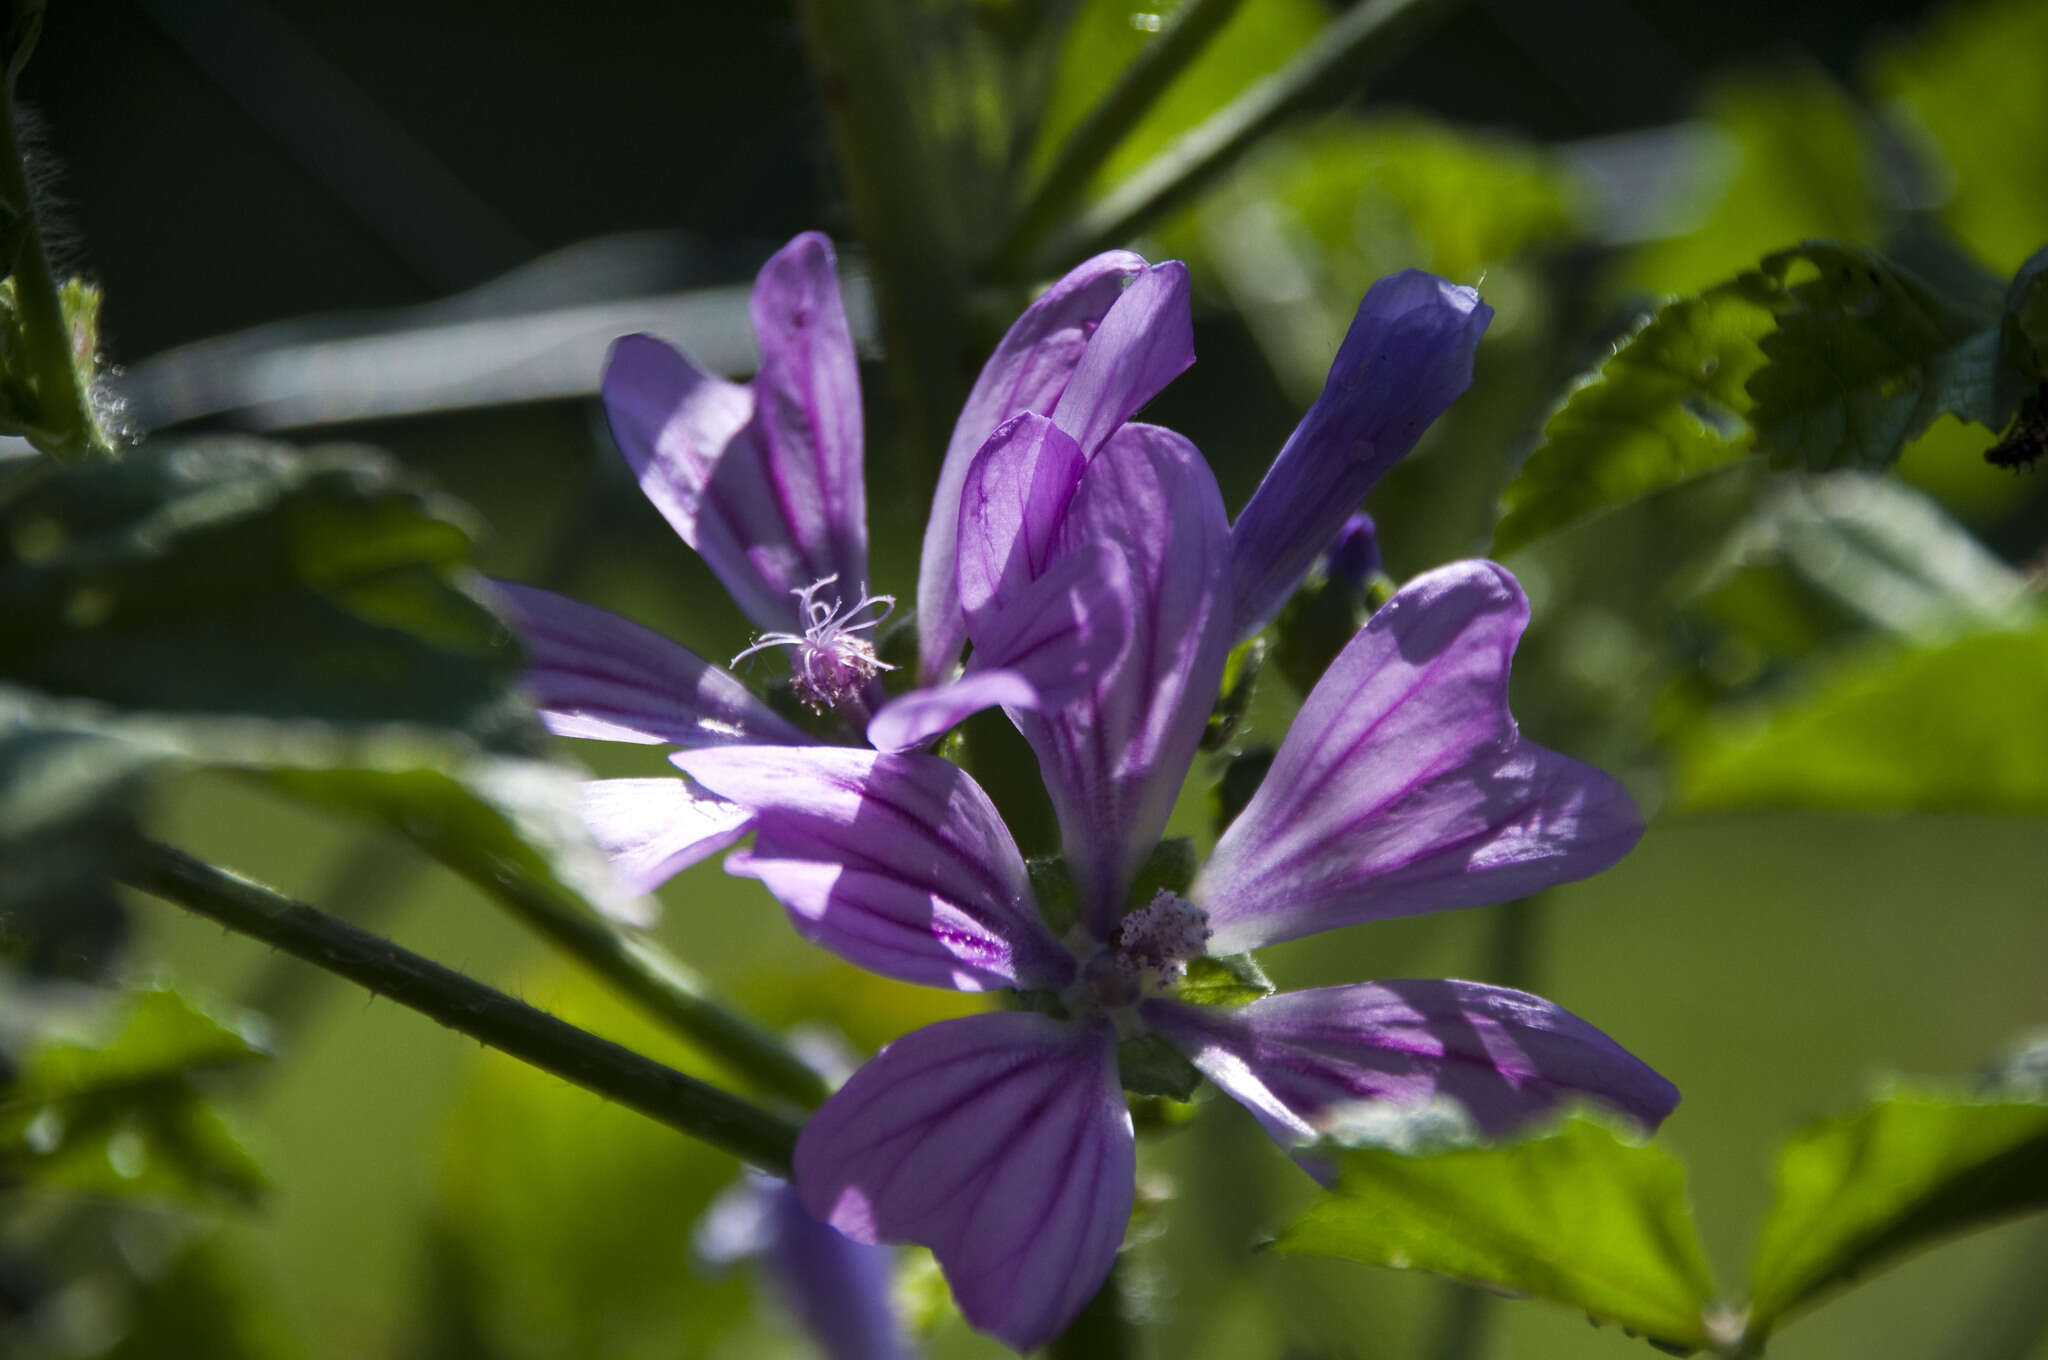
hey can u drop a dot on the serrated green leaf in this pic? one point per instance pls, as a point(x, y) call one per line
point(1231, 980)
point(1953, 726)
point(231, 576)
point(1149, 1066)
point(1576, 1216)
point(120, 1114)
point(1864, 357)
point(1669, 406)
point(2023, 333)
point(1857, 1192)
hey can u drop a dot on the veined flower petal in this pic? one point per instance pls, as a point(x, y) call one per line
point(898, 863)
point(763, 481)
point(1016, 495)
point(1406, 358)
point(1114, 759)
point(653, 829)
point(1001, 1142)
point(1404, 785)
point(1029, 371)
point(1297, 1060)
point(1144, 342)
point(594, 674)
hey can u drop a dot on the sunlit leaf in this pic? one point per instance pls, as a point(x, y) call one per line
point(1669, 406)
point(1575, 1216)
point(1954, 726)
point(1857, 1192)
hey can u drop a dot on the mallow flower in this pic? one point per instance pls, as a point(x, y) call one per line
point(1002, 1141)
point(764, 480)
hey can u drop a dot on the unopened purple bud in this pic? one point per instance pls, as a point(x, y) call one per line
point(1354, 556)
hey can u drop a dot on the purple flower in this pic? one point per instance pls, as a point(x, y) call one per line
point(1354, 555)
point(1002, 1140)
point(764, 480)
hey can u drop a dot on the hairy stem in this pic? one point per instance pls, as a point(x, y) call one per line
point(64, 422)
point(468, 1006)
point(1371, 33)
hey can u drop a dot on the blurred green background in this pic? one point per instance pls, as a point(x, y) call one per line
point(229, 164)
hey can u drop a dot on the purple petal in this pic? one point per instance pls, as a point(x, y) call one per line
point(807, 394)
point(594, 674)
point(1041, 651)
point(1016, 494)
point(1145, 342)
point(1354, 556)
point(1404, 785)
point(841, 1290)
point(1001, 1142)
point(1407, 357)
point(1028, 372)
point(764, 482)
point(653, 829)
point(1114, 760)
point(898, 863)
point(1297, 1060)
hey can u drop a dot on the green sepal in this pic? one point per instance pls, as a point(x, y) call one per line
point(1043, 1000)
point(1052, 882)
point(1240, 677)
point(1149, 1066)
point(1169, 868)
point(1231, 980)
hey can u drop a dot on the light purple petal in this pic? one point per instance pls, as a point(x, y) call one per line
point(653, 829)
point(1407, 357)
point(594, 674)
point(1145, 342)
point(1404, 785)
point(841, 1290)
point(763, 481)
point(1297, 1060)
point(807, 396)
point(911, 719)
point(898, 863)
point(1041, 651)
point(999, 1141)
point(1016, 494)
point(1114, 760)
point(1028, 372)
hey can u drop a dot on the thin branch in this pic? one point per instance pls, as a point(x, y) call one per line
point(1366, 36)
point(467, 1006)
point(1098, 135)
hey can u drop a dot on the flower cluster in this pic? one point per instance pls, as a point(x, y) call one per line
point(1087, 565)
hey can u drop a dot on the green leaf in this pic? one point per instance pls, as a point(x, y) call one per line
point(1149, 1066)
point(1231, 980)
point(1669, 406)
point(1576, 1216)
point(119, 1114)
point(1956, 726)
point(1857, 1192)
point(231, 576)
point(1864, 357)
point(1169, 868)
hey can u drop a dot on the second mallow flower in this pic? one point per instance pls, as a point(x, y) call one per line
point(1003, 1141)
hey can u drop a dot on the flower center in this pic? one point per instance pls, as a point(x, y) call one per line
point(1149, 952)
point(830, 662)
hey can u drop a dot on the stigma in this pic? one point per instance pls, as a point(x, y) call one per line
point(830, 662)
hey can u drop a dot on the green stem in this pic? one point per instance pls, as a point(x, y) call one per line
point(64, 423)
point(468, 1007)
point(1107, 124)
point(1364, 37)
point(673, 991)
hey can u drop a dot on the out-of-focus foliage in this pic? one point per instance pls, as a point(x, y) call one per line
point(1576, 1216)
point(121, 1114)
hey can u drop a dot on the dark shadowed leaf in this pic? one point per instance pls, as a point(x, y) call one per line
point(1576, 1216)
